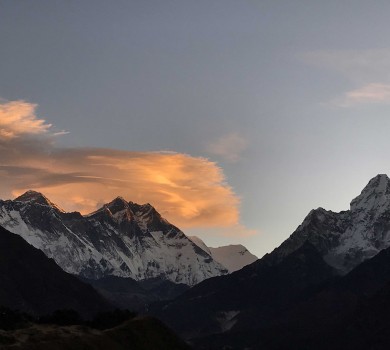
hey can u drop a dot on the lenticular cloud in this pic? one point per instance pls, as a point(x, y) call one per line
point(189, 191)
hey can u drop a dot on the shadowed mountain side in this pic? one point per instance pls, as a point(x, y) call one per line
point(163, 289)
point(137, 334)
point(369, 326)
point(126, 293)
point(350, 313)
point(247, 298)
point(33, 283)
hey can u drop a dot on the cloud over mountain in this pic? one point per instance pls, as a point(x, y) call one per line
point(189, 191)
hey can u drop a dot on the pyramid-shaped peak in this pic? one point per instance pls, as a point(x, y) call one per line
point(36, 197)
point(33, 196)
point(375, 195)
point(116, 205)
point(119, 200)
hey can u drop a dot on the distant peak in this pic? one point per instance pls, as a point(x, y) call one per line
point(32, 196)
point(119, 200)
point(117, 204)
point(117, 209)
point(36, 197)
point(375, 195)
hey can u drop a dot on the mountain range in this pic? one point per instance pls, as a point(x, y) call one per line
point(122, 239)
point(326, 286)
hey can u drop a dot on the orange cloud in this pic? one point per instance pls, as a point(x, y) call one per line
point(18, 118)
point(188, 191)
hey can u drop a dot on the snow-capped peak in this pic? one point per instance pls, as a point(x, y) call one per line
point(37, 198)
point(118, 210)
point(375, 196)
point(234, 257)
point(121, 238)
point(347, 238)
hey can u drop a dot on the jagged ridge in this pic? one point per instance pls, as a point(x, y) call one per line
point(122, 238)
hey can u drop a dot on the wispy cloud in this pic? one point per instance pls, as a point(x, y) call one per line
point(189, 191)
point(229, 147)
point(367, 70)
point(370, 93)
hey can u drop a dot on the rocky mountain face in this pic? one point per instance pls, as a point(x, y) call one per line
point(122, 238)
point(234, 256)
point(32, 283)
point(347, 238)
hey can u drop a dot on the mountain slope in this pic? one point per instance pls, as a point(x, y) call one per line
point(347, 238)
point(31, 282)
point(122, 239)
point(234, 257)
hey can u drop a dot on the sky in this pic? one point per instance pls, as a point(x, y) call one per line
point(233, 118)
